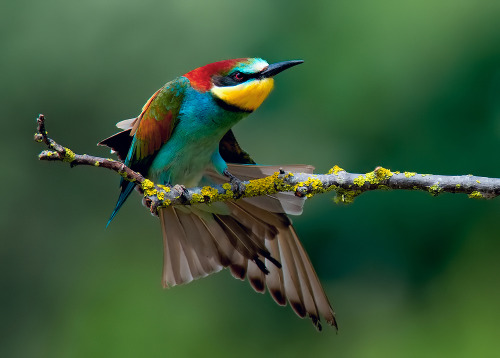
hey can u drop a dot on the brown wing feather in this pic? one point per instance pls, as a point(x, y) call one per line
point(253, 242)
point(152, 128)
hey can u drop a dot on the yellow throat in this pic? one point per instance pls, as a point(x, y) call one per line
point(248, 96)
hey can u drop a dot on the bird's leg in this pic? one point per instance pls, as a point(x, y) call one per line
point(180, 188)
point(181, 191)
point(237, 185)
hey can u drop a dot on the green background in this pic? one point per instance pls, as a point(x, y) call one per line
point(409, 85)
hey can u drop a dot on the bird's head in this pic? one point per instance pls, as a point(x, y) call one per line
point(240, 84)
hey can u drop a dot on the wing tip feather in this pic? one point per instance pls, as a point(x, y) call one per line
point(238, 271)
point(278, 297)
point(257, 284)
point(299, 308)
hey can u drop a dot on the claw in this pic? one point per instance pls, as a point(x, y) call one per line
point(152, 204)
point(237, 185)
point(180, 188)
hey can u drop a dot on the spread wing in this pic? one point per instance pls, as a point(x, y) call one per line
point(254, 238)
point(145, 135)
point(155, 124)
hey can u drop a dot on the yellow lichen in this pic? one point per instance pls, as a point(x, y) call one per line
point(335, 170)
point(345, 196)
point(457, 186)
point(374, 177)
point(435, 189)
point(371, 178)
point(210, 195)
point(383, 173)
point(315, 185)
point(96, 163)
point(123, 174)
point(265, 185)
point(69, 156)
point(476, 195)
point(164, 187)
point(197, 199)
point(410, 174)
point(477, 181)
point(229, 193)
point(148, 188)
point(209, 192)
point(359, 181)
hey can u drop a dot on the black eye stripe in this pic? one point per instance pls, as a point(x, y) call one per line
point(233, 79)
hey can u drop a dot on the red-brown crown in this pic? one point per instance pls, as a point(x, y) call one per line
point(201, 77)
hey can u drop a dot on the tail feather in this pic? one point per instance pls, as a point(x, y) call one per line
point(304, 285)
point(317, 290)
point(201, 246)
point(254, 239)
point(275, 281)
point(290, 276)
point(256, 277)
point(231, 241)
point(176, 268)
point(238, 266)
point(127, 188)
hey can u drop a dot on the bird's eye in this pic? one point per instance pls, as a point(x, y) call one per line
point(238, 76)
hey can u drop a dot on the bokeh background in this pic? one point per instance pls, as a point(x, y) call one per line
point(409, 85)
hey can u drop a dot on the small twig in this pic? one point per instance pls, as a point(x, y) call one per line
point(347, 185)
point(57, 152)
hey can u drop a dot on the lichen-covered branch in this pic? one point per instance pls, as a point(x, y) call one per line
point(57, 152)
point(346, 185)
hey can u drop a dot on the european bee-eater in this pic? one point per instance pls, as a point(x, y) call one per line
point(183, 136)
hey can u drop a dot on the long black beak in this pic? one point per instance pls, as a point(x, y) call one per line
point(275, 68)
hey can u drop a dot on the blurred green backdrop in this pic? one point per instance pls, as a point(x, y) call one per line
point(410, 85)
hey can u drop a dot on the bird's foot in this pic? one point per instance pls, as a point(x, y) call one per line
point(152, 203)
point(181, 189)
point(237, 185)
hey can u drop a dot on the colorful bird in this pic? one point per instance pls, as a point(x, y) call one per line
point(183, 136)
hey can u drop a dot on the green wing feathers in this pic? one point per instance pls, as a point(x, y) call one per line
point(143, 136)
point(159, 116)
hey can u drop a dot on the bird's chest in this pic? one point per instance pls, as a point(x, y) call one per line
point(183, 164)
point(195, 139)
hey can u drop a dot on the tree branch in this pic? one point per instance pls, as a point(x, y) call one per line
point(57, 152)
point(347, 185)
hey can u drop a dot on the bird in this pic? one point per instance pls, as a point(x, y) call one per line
point(183, 137)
